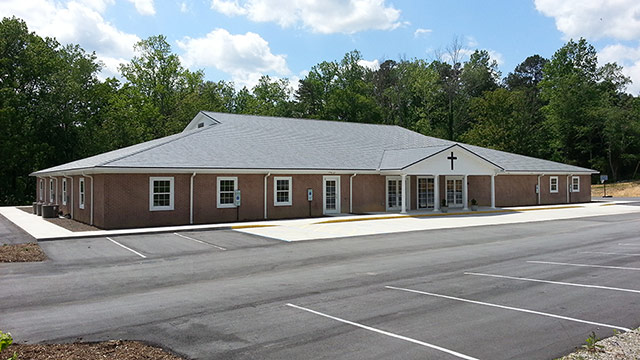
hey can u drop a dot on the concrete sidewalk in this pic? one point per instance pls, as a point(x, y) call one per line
point(346, 225)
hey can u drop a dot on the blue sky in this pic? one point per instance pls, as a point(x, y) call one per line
point(239, 40)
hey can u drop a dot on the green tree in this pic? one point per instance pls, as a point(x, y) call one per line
point(47, 93)
point(158, 75)
point(503, 122)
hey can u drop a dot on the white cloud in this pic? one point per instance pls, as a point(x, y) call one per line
point(325, 17)
point(626, 56)
point(246, 57)
point(597, 19)
point(498, 57)
point(184, 8)
point(228, 7)
point(144, 7)
point(77, 22)
point(594, 19)
point(371, 65)
point(420, 32)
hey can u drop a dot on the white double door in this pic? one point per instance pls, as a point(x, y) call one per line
point(426, 192)
point(394, 193)
point(454, 190)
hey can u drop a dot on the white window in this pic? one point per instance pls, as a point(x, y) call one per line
point(227, 187)
point(553, 184)
point(160, 193)
point(41, 189)
point(64, 191)
point(52, 192)
point(575, 184)
point(282, 191)
point(81, 194)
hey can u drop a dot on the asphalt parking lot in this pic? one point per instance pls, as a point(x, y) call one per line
point(525, 291)
point(148, 246)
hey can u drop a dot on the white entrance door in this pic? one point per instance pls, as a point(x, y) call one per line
point(454, 191)
point(425, 193)
point(394, 193)
point(331, 194)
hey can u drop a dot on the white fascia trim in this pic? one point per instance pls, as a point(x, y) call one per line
point(189, 171)
point(546, 173)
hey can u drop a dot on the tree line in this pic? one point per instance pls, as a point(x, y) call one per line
point(55, 109)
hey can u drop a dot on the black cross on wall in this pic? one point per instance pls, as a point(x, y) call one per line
point(452, 158)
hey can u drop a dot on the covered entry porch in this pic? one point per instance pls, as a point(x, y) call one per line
point(453, 174)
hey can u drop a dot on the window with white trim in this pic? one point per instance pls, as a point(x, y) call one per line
point(41, 189)
point(227, 187)
point(553, 184)
point(161, 193)
point(575, 184)
point(282, 191)
point(81, 194)
point(64, 191)
point(52, 192)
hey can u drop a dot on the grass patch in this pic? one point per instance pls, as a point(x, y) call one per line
point(619, 189)
point(28, 252)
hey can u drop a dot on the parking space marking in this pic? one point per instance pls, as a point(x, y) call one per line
point(128, 248)
point(607, 253)
point(418, 342)
point(509, 308)
point(200, 241)
point(584, 265)
point(554, 282)
point(629, 244)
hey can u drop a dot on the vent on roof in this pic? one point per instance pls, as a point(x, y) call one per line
point(200, 125)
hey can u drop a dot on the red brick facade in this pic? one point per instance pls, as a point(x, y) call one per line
point(122, 200)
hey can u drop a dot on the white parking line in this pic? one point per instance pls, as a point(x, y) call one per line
point(130, 249)
point(436, 347)
point(607, 253)
point(629, 244)
point(200, 241)
point(510, 308)
point(554, 282)
point(585, 265)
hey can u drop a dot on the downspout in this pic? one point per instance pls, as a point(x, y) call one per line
point(351, 193)
point(539, 188)
point(568, 189)
point(90, 177)
point(265, 194)
point(71, 204)
point(191, 200)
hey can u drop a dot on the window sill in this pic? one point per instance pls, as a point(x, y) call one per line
point(282, 204)
point(170, 208)
point(226, 206)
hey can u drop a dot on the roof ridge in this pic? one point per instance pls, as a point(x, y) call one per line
point(422, 147)
point(178, 136)
point(305, 119)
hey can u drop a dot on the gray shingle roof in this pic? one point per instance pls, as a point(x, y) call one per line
point(260, 142)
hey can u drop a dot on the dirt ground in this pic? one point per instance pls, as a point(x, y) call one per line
point(21, 253)
point(619, 189)
point(68, 224)
point(114, 349)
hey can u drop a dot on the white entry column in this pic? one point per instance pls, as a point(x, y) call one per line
point(493, 191)
point(404, 194)
point(436, 192)
point(465, 193)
